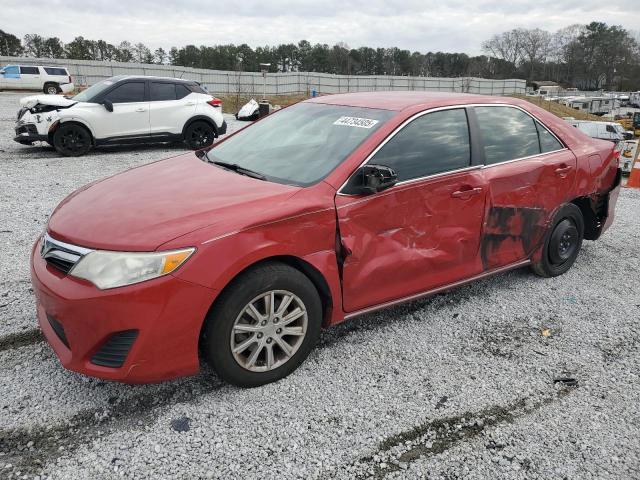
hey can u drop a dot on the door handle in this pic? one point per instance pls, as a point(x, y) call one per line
point(141, 109)
point(191, 103)
point(563, 170)
point(467, 193)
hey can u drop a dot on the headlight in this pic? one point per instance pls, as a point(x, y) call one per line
point(115, 269)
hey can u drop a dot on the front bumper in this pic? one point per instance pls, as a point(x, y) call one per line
point(27, 133)
point(80, 321)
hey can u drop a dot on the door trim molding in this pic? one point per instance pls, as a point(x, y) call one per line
point(428, 293)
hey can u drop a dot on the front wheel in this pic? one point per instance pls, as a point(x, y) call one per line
point(562, 242)
point(199, 135)
point(263, 325)
point(72, 140)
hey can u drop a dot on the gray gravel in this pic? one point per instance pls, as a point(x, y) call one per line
point(458, 386)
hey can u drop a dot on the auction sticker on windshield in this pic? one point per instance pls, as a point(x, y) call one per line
point(355, 122)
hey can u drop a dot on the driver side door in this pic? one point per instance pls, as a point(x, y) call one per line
point(424, 232)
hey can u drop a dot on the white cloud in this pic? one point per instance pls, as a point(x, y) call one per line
point(425, 25)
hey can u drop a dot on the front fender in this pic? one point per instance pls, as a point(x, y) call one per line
point(309, 237)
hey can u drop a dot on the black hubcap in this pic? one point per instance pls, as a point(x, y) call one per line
point(564, 242)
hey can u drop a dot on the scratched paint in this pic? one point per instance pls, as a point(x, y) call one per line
point(511, 234)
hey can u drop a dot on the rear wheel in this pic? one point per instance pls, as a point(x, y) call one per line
point(51, 88)
point(562, 242)
point(72, 140)
point(199, 135)
point(263, 325)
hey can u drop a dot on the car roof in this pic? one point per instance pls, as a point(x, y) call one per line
point(399, 100)
point(119, 78)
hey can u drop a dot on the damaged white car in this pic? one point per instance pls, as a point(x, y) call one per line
point(122, 110)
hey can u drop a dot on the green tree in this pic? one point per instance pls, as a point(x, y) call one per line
point(10, 45)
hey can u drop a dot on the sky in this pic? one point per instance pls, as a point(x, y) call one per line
point(422, 25)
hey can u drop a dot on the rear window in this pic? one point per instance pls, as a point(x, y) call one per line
point(29, 70)
point(56, 71)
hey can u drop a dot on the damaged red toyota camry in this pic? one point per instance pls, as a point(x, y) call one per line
point(325, 210)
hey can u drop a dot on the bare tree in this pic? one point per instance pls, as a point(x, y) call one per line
point(507, 46)
point(536, 45)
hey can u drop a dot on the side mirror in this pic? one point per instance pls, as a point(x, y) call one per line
point(108, 105)
point(376, 178)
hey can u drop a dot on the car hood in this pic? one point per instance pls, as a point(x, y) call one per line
point(52, 100)
point(144, 207)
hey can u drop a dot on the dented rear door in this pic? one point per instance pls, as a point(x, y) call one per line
point(529, 174)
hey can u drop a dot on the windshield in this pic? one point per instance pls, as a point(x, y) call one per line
point(92, 91)
point(301, 144)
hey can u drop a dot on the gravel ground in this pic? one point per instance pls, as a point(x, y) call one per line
point(464, 385)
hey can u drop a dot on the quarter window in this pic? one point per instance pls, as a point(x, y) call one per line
point(29, 70)
point(507, 134)
point(182, 91)
point(127, 93)
point(433, 143)
point(548, 143)
point(56, 71)
point(162, 91)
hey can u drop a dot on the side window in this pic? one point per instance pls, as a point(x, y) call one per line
point(162, 91)
point(507, 134)
point(12, 70)
point(181, 91)
point(56, 71)
point(127, 93)
point(433, 143)
point(29, 70)
point(548, 143)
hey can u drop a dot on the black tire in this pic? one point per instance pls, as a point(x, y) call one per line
point(51, 88)
point(199, 135)
point(219, 325)
point(72, 140)
point(562, 242)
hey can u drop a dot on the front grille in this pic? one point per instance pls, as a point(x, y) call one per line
point(115, 350)
point(60, 255)
point(59, 329)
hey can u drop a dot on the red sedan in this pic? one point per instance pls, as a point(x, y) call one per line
point(328, 209)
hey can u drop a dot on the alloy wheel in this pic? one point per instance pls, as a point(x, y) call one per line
point(269, 331)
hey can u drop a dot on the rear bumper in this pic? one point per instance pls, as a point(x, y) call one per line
point(612, 200)
point(157, 321)
point(222, 129)
point(67, 87)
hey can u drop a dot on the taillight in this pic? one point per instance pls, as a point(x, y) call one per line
point(70, 81)
point(215, 102)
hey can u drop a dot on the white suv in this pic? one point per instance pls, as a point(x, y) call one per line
point(49, 80)
point(123, 110)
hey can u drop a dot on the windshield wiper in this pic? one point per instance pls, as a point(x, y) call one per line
point(238, 169)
